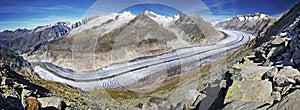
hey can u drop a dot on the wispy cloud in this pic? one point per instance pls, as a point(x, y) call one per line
point(221, 9)
point(34, 22)
point(26, 9)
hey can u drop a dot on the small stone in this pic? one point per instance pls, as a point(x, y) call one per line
point(296, 61)
point(289, 72)
point(286, 89)
point(267, 63)
point(199, 99)
point(140, 105)
point(157, 100)
point(277, 88)
point(270, 73)
point(223, 84)
point(7, 81)
point(55, 102)
point(192, 96)
point(32, 103)
point(297, 79)
point(11, 93)
point(278, 41)
point(4, 89)
point(283, 81)
point(276, 96)
point(276, 51)
point(286, 55)
point(283, 34)
point(296, 55)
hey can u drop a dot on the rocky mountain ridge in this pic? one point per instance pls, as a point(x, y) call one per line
point(252, 23)
point(26, 41)
point(268, 78)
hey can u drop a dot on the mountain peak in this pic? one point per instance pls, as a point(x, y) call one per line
point(251, 17)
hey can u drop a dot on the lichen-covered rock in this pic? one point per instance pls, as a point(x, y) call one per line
point(46, 102)
point(249, 91)
point(252, 71)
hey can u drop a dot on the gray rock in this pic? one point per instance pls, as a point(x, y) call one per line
point(55, 102)
point(277, 89)
point(290, 102)
point(296, 61)
point(270, 73)
point(199, 99)
point(286, 55)
point(286, 89)
point(249, 91)
point(260, 54)
point(239, 105)
point(193, 94)
point(296, 54)
point(289, 72)
point(283, 34)
point(297, 79)
point(283, 81)
point(223, 84)
point(276, 51)
point(7, 81)
point(267, 63)
point(278, 41)
point(276, 96)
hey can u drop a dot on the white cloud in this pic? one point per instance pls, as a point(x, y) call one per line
point(25, 9)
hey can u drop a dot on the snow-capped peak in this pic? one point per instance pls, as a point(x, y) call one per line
point(252, 17)
point(105, 22)
point(160, 19)
point(41, 28)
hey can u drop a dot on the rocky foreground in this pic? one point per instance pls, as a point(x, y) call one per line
point(269, 77)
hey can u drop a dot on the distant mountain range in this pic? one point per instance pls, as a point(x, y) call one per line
point(252, 23)
point(26, 41)
point(100, 41)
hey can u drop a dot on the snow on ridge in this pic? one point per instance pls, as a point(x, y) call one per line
point(114, 20)
point(41, 28)
point(251, 17)
point(160, 19)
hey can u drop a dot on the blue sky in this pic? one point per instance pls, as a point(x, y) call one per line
point(31, 13)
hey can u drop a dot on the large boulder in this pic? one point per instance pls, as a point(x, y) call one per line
point(289, 72)
point(252, 71)
point(290, 102)
point(249, 91)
